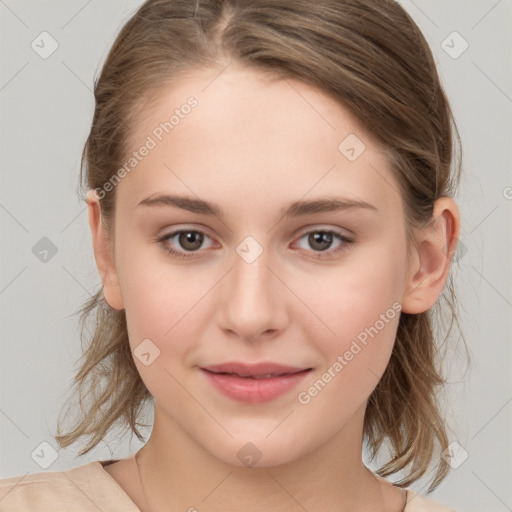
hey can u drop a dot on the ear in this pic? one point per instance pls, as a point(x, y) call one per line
point(431, 257)
point(104, 254)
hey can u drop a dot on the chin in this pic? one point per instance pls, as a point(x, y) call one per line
point(257, 453)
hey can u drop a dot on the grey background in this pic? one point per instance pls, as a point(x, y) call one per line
point(46, 108)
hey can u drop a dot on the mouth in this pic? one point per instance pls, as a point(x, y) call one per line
point(254, 371)
point(268, 376)
point(254, 383)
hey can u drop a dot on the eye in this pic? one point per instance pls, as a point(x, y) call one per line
point(190, 240)
point(321, 240)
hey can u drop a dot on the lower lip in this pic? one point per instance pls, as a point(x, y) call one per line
point(250, 390)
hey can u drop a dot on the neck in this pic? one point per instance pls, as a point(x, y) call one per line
point(179, 474)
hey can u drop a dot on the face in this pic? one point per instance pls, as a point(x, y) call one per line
point(314, 289)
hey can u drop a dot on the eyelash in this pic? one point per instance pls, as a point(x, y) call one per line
point(346, 243)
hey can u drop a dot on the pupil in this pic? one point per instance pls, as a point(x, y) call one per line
point(323, 238)
point(195, 239)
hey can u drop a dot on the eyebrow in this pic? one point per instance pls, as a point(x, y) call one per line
point(294, 209)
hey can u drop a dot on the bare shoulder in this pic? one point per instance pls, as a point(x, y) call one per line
point(418, 503)
point(396, 497)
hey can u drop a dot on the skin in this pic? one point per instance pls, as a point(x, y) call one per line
point(252, 146)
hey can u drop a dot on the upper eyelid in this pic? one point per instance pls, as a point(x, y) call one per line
point(300, 234)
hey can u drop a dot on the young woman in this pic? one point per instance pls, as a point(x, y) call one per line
point(270, 191)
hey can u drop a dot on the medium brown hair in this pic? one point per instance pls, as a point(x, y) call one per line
point(367, 54)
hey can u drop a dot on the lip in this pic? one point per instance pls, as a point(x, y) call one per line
point(253, 370)
point(240, 381)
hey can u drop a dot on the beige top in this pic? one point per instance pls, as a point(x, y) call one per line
point(89, 488)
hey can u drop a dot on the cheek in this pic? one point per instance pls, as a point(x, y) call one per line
point(359, 295)
point(152, 295)
point(165, 302)
point(161, 305)
point(363, 312)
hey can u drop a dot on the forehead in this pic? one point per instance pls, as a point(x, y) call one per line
point(247, 133)
point(240, 97)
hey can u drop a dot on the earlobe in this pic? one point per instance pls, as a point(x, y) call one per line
point(433, 253)
point(103, 254)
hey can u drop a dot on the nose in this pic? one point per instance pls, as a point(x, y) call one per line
point(253, 302)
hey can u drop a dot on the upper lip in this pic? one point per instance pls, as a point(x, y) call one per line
point(253, 370)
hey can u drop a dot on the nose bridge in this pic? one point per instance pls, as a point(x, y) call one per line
point(252, 301)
